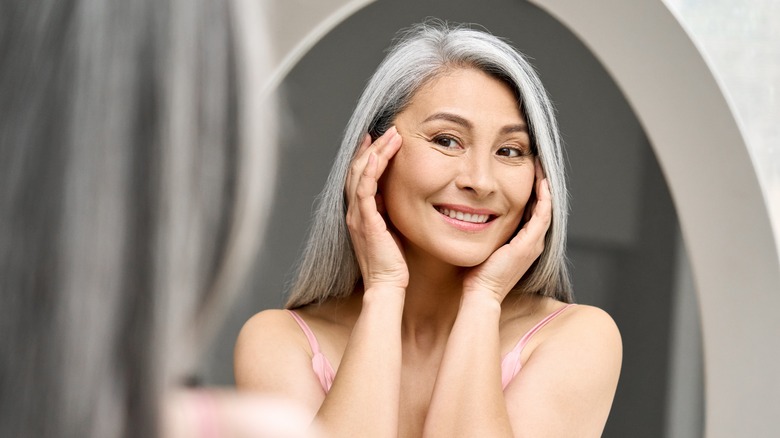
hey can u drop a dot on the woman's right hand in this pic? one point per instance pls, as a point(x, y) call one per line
point(377, 249)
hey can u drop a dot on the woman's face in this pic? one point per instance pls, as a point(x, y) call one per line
point(458, 187)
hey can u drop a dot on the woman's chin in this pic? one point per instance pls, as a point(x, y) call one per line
point(465, 260)
point(453, 254)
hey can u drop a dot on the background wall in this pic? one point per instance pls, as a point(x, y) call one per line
point(741, 42)
point(624, 241)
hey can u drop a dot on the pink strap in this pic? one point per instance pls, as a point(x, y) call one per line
point(510, 364)
point(319, 363)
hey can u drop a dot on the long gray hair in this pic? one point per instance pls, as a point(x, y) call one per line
point(328, 267)
point(128, 204)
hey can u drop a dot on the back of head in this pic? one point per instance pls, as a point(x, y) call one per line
point(421, 53)
point(119, 198)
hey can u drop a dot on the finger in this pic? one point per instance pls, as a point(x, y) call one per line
point(542, 213)
point(387, 152)
point(366, 191)
point(365, 150)
point(360, 161)
point(364, 144)
point(536, 227)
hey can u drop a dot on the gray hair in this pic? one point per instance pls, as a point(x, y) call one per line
point(124, 195)
point(328, 268)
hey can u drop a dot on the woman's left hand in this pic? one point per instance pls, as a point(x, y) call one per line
point(503, 269)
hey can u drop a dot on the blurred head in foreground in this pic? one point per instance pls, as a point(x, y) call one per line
point(137, 152)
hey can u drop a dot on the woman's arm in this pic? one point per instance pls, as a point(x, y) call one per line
point(364, 398)
point(468, 399)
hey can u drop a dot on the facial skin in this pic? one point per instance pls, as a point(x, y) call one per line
point(466, 148)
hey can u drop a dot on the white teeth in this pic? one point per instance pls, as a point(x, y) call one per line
point(465, 217)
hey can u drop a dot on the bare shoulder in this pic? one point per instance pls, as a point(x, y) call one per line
point(570, 377)
point(586, 327)
point(578, 323)
point(272, 356)
point(585, 333)
point(271, 330)
point(597, 322)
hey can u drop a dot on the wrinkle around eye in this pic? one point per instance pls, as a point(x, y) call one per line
point(450, 152)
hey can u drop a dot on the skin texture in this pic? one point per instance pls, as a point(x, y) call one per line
point(418, 346)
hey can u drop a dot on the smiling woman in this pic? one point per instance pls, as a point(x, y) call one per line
point(433, 296)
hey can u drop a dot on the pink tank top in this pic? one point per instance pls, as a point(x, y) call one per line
point(510, 363)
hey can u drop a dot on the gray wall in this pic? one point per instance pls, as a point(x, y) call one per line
point(623, 235)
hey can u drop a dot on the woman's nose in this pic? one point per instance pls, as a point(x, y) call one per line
point(476, 175)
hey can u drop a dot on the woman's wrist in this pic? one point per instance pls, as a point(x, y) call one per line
point(482, 298)
point(384, 295)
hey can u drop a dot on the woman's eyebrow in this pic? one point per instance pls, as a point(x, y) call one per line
point(454, 118)
point(509, 129)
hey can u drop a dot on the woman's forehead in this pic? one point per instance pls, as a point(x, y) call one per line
point(464, 95)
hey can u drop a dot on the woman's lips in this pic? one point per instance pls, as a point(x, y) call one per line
point(466, 218)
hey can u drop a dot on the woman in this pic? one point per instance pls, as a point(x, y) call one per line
point(433, 296)
point(133, 177)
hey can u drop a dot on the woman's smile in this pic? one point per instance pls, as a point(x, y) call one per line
point(466, 218)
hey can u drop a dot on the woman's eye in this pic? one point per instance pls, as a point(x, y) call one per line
point(445, 142)
point(510, 152)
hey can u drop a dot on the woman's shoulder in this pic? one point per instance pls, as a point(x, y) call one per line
point(319, 317)
point(563, 324)
point(275, 342)
point(586, 321)
point(568, 316)
point(570, 370)
point(265, 339)
point(332, 315)
point(269, 325)
point(273, 355)
point(282, 329)
point(582, 332)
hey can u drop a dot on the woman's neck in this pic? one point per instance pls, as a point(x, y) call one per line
point(432, 300)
